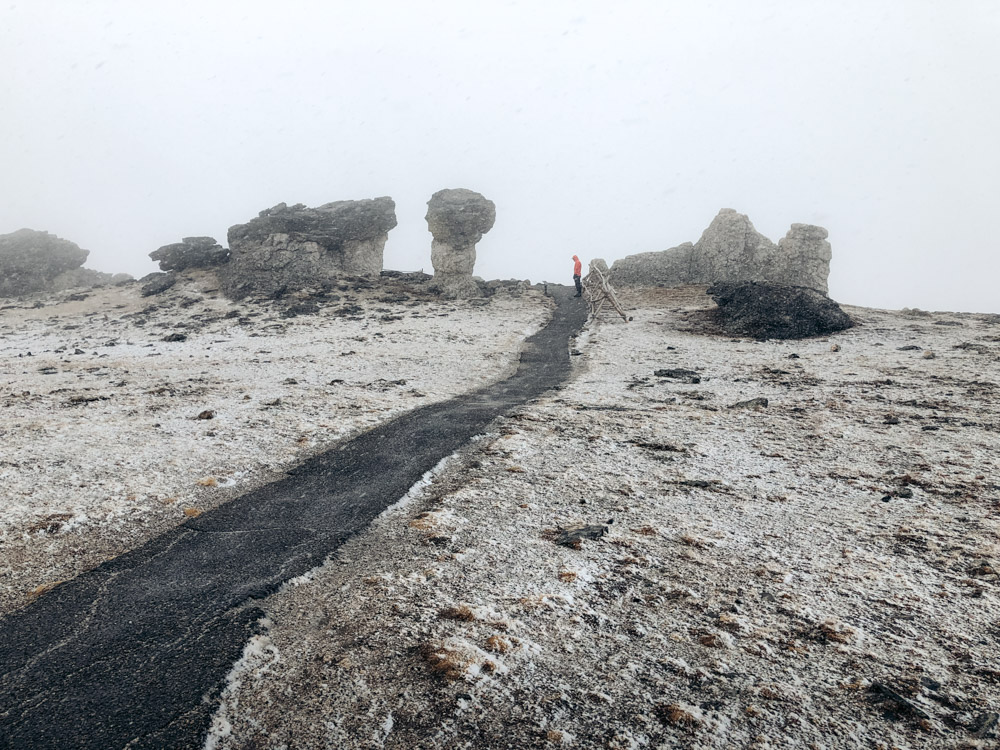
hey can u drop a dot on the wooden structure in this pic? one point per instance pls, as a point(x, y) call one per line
point(598, 292)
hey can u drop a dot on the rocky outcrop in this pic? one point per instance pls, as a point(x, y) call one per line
point(190, 252)
point(32, 261)
point(731, 249)
point(87, 278)
point(288, 248)
point(157, 283)
point(457, 219)
point(772, 311)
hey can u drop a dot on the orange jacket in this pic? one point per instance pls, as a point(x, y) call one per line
point(577, 266)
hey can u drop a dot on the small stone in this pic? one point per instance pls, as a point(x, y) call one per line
point(754, 403)
point(929, 355)
point(572, 536)
point(207, 414)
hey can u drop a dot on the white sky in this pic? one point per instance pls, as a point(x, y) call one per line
point(598, 128)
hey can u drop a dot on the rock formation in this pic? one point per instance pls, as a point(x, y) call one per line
point(288, 248)
point(731, 249)
point(804, 257)
point(457, 219)
point(32, 261)
point(772, 311)
point(191, 252)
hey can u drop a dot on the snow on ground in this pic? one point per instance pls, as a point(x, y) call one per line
point(102, 444)
point(819, 572)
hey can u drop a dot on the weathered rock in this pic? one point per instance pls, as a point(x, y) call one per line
point(31, 260)
point(770, 311)
point(190, 252)
point(803, 258)
point(80, 278)
point(157, 283)
point(732, 250)
point(457, 219)
point(290, 248)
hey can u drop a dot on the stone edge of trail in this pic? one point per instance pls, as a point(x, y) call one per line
point(134, 652)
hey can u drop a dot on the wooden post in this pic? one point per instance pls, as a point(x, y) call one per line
point(598, 292)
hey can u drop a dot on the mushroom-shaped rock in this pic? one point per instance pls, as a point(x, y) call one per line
point(294, 247)
point(457, 220)
point(30, 261)
point(191, 252)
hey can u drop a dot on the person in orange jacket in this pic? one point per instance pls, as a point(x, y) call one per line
point(577, 270)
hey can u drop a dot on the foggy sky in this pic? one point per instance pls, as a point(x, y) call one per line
point(599, 129)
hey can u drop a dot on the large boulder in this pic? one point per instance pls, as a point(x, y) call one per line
point(731, 249)
point(30, 261)
point(772, 311)
point(190, 252)
point(289, 248)
point(457, 219)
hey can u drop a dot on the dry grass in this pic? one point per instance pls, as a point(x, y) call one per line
point(462, 613)
point(446, 662)
point(498, 644)
point(678, 715)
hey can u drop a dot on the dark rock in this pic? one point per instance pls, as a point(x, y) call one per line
point(190, 252)
point(300, 247)
point(754, 403)
point(769, 311)
point(156, 283)
point(30, 261)
point(688, 376)
point(207, 414)
point(573, 536)
point(172, 337)
point(908, 348)
point(300, 308)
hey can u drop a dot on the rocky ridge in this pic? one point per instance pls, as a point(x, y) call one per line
point(731, 249)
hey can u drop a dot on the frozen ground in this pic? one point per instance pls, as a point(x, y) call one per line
point(102, 444)
point(816, 573)
point(819, 572)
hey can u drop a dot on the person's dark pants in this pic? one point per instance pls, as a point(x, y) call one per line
point(579, 286)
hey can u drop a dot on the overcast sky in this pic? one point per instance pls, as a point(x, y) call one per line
point(599, 128)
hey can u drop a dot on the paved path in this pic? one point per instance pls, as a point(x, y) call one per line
point(133, 653)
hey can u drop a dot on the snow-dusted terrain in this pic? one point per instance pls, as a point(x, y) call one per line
point(102, 444)
point(819, 572)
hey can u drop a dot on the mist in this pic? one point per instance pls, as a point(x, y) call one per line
point(598, 129)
